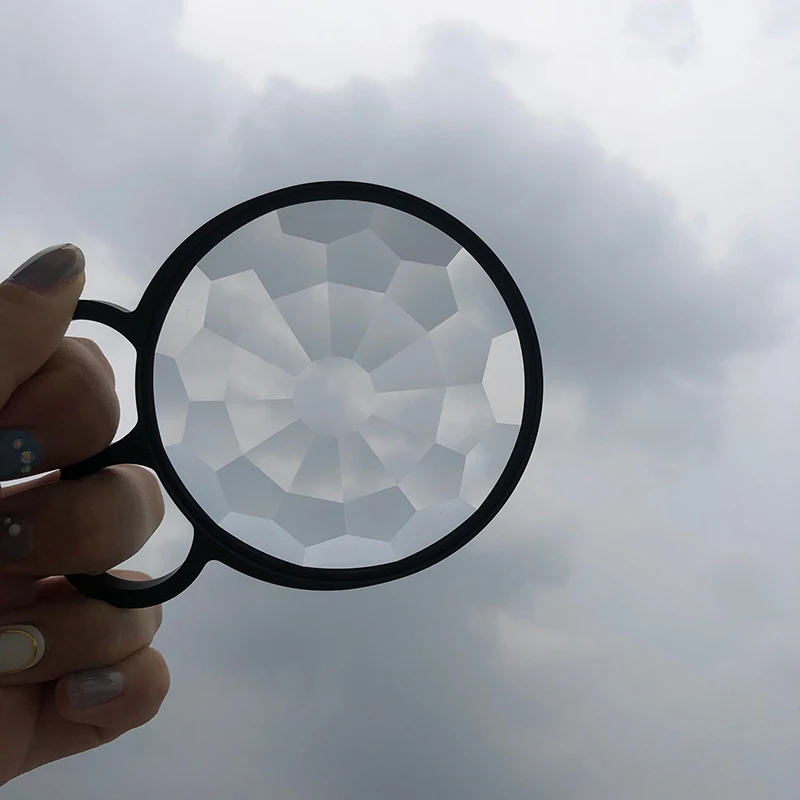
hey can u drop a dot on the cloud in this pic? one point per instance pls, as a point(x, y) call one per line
point(565, 653)
point(143, 151)
point(618, 286)
point(783, 17)
point(113, 132)
point(339, 696)
point(668, 27)
point(630, 311)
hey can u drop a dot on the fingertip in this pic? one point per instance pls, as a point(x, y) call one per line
point(93, 688)
point(37, 302)
point(118, 698)
point(50, 269)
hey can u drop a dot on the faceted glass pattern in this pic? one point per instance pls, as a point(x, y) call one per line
point(339, 384)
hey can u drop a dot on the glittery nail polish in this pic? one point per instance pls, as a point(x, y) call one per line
point(15, 538)
point(19, 455)
point(94, 687)
point(49, 268)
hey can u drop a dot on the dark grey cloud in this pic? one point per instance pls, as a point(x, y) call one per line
point(387, 693)
point(743, 588)
point(620, 289)
point(110, 131)
point(142, 151)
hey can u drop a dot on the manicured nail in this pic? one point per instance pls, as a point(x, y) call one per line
point(94, 687)
point(15, 538)
point(21, 646)
point(49, 268)
point(19, 455)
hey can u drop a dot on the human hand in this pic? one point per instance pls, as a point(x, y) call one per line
point(75, 673)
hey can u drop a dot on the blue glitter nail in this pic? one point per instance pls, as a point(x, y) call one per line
point(19, 455)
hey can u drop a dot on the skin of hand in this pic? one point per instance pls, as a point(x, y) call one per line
point(75, 673)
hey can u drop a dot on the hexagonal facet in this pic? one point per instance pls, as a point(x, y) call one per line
point(339, 384)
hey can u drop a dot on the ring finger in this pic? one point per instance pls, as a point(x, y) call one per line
point(70, 634)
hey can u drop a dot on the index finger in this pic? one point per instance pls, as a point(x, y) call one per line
point(36, 306)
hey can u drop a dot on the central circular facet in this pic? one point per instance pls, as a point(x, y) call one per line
point(334, 396)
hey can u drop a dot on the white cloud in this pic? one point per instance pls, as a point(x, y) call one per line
point(668, 26)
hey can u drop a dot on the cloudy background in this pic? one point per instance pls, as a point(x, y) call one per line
point(628, 627)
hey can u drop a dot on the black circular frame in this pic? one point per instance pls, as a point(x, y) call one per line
point(143, 445)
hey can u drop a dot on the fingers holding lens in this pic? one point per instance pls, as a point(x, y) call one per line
point(86, 526)
point(88, 709)
point(66, 412)
point(117, 698)
point(71, 634)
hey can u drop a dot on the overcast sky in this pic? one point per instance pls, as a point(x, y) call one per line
point(628, 627)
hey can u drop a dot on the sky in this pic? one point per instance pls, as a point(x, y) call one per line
point(628, 625)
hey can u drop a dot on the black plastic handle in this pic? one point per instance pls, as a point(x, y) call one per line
point(134, 448)
point(123, 593)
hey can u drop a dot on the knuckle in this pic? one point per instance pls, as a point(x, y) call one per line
point(143, 629)
point(127, 630)
point(132, 575)
point(100, 420)
point(87, 352)
point(114, 518)
point(145, 492)
point(98, 414)
point(158, 685)
point(158, 617)
point(91, 542)
point(90, 346)
point(108, 627)
point(154, 494)
point(160, 676)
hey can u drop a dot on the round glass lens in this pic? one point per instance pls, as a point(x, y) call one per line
point(339, 384)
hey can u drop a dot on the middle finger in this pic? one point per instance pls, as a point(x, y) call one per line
point(66, 412)
point(84, 526)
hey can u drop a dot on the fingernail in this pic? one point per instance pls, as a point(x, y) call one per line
point(94, 687)
point(49, 268)
point(19, 455)
point(21, 646)
point(15, 538)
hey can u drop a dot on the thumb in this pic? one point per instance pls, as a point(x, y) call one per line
point(36, 306)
